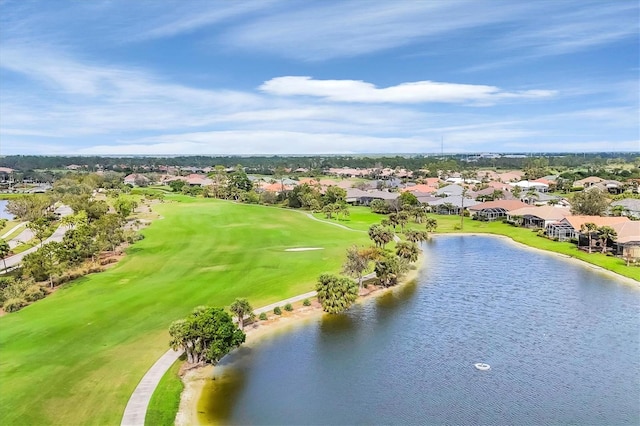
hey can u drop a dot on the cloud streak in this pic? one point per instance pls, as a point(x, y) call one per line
point(405, 93)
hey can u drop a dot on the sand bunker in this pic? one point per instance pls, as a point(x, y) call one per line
point(305, 249)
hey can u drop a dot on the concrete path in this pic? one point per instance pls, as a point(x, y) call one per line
point(13, 229)
point(23, 237)
point(136, 409)
point(16, 259)
point(310, 216)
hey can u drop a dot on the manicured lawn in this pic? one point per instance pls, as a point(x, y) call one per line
point(76, 356)
point(10, 224)
point(166, 399)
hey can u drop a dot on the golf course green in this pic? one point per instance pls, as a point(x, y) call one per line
point(76, 356)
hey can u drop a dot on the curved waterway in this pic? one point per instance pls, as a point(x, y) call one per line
point(562, 340)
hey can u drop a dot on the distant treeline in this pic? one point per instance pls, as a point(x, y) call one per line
point(266, 164)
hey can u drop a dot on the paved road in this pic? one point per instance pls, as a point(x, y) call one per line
point(23, 237)
point(16, 259)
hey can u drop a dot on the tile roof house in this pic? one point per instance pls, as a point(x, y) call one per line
point(450, 190)
point(570, 226)
point(630, 206)
point(135, 179)
point(492, 210)
point(510, 176)
point(539, 217)
point(587, 182)
point(198, 180)
point(357, 196)
point(423, 188)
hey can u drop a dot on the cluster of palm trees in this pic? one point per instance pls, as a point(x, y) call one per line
point(602, 233)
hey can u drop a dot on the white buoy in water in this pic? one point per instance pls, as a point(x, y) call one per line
point(482, 366)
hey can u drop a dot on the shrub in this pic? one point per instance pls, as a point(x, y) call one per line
point(306, 302)
point(263, 316)
point(34, 292)
point(288, 307)
point(277, 310)
point(14, 304)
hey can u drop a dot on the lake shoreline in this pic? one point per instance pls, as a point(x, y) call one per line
point(626, 280)
point(194, 380)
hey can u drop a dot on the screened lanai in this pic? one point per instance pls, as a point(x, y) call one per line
point(492, 213)
point(561, 231)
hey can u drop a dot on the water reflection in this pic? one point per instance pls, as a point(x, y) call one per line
point(407, 357)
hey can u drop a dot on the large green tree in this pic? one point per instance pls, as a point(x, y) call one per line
point(206, 335)
point(45, 263)
point(241, 309)
point(29, 207)
point(335, 293)
point(389, 269)
point(590, 202)
point(358, 261)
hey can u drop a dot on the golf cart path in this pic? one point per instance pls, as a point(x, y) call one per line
point(136, 409)
point(10, 231)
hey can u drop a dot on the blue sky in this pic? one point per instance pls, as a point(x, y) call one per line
point(302, 77)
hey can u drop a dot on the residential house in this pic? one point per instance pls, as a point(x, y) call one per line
point(629, 207)
point(587, 182)
point(450, 190)
point(492, 210)
point(453, 204)
point(627, 241)
point(136, 179)
point(526, 185)
point(538, 217)
point(357, 196)
point(571, 226)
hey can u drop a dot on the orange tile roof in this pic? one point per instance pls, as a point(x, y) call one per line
point(508, 205)
point(577, 221)
point(419, 188)
point(543, 212)
point(627, 231)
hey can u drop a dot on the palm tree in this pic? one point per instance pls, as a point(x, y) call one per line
point(589, 228)
point(531, 195)
point(606, 233)
point(431, 224)
point(403, 218)
point(5, 249)
point(408, 250)
point(242, 308)
point(380, 235)
point(416, 236)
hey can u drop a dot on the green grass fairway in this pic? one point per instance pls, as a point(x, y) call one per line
point(76, 356)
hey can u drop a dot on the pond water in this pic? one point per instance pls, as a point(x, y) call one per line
point(4, 214)
point(562, 340)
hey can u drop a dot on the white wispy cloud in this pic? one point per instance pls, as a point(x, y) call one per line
point(412, 92)
point(326, 30)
